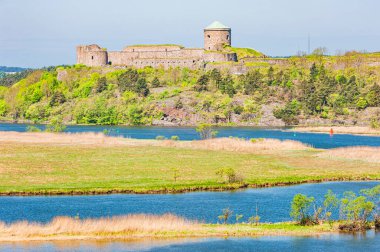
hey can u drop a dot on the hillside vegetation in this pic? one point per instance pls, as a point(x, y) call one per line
point(299, 90)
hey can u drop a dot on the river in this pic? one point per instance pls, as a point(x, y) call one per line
point(317, 140)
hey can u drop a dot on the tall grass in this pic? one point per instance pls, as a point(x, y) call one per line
point(361, 153)
point(239, 145)
point(130, 224)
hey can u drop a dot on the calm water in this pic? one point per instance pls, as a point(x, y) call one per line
point(273, 203)
point(364, 242)
point(316, 140)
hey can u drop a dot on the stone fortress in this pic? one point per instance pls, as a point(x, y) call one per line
point(216, 36)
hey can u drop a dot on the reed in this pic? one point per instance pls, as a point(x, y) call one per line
point(238, 145)
point(130, 224)
point(361, 153)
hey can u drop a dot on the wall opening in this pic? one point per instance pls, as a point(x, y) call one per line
point(208, 36)
point(228, 36)
point(92, 57)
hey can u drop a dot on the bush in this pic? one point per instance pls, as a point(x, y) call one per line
point(56, 125)
point(31, 128)
point(226, 213)
point(175, 138)
point(206, 131)
point(160, 138)
point(227, 175)
point(289, 113)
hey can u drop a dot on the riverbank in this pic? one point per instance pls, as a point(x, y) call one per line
point(353, 130)
point(148, 227)
point(73, 164)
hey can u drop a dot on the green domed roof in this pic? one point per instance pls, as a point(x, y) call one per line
point(216, 25)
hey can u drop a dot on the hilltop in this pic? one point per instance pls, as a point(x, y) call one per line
point(260, 91)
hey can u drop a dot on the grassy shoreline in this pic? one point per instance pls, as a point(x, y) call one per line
point(76, 164)
point(352, 130)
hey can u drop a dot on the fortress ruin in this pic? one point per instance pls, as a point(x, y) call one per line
point(216, 36)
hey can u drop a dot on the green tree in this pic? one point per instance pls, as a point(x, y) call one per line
point(57, 98)
point(206, 131)
point(155, 83)
point(227, 86)
point(289, 114)
point(300, 209)
point(56, 125)
point(101, 85)
point(356, 208)
point(202, 83)
point(142, 87)
point(252, 81)
point(127, 80)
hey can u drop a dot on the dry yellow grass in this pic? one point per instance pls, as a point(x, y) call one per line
point(131, 224)
point(238, 145)
point(99, 139)
point(356, 130)
point(368, 154)
point(144, 226)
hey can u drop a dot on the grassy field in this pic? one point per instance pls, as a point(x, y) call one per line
point(148, 226)
point(38, 166)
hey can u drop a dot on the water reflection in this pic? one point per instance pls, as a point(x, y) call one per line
point(369, 241)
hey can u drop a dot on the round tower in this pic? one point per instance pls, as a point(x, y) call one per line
point(216, 35)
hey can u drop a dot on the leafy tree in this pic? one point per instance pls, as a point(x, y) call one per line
point(56, 125)
point(373, 96)
point(356, 208)
point(300, 208)
point(289, 113)
point(155, 83)
point(202, 83)
point(216, 77)
point(101, 85)
point(127, 80)
point(361, 103)
point(227, 86)
point(252, 81)
point(57, 98)
point(227, 175)
point(206, 131)
point(142, 87)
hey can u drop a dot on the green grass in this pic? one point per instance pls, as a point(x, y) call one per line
point(37, 168)
point(244, 52)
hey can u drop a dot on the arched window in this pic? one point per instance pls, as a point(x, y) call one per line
point(92, 57)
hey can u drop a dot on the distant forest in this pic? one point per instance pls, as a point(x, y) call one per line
point(11, 69)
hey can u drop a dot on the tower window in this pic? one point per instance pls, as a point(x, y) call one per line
point(228, 36)
point(92, 57)
point(208, 36)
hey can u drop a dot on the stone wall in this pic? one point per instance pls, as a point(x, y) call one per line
point(219, 57)
point(214, 40)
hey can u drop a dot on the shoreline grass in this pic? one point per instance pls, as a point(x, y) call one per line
point(58, 164)
point(352, 130)
point(142, 226)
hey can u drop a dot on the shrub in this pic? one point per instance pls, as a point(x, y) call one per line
point(175, 138)
point(289, 113)
point(155, 83)
point(226, 213)
point(227, 175)
point(206, 131)
point(31, 128)
point(56, 125)
point(160, 138)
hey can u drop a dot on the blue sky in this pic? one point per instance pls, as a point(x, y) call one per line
point(36, 33)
